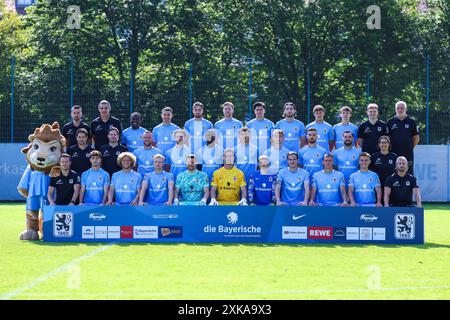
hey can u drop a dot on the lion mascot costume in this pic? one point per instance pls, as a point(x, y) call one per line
point(42, 154)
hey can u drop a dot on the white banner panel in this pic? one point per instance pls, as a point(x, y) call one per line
point(431, 169)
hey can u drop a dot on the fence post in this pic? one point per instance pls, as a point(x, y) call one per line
point(190, 91)
point(13, 62)
point(71, 83)
point(368, 84)
point(308, 94)
point(427, 95)
point(250, 85)
point(131, 88)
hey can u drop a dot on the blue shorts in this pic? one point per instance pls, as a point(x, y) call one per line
point(36, 202)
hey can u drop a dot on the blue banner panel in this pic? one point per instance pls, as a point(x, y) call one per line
point(12, 166)
point(234, 224)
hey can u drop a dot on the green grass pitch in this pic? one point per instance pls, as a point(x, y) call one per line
point(36, 270)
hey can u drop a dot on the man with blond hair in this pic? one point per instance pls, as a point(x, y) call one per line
point(126, 183)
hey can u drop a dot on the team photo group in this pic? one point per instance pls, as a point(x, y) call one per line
point(229, 163)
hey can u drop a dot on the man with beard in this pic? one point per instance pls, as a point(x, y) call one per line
point(70, 129)
point(144, 155)
point(197, 126)
point(132, 136)
point(400, 187)
point(228, 127)
point(311, 155)
point(80, 152)
point(346, 157)
point(210, 155)
point(294, 130)
point(191, 186)
point(66, 185)
point(111, 151)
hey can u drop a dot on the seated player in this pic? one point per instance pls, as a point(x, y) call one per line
point(261, 185)
point(277, 154)
point(328, 185)
point(210, 155)
point(228, 184)
point(94, 182)
point(191, 186)
point(126, 183)
point(144, 155)
point(292, 186)
point(157, 186)
point(66, 185)
point(364, 188)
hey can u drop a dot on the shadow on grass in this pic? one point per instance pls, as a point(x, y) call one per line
point(427, 245)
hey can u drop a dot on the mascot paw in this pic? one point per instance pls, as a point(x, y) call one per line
point(29, 235)
point(55, 172)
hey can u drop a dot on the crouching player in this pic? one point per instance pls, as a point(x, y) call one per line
point(364, 188)
point(228, 183)
point(126, 183)
point(157, 186)
point(261, 185)
point(292, 187)
point(192, 186)
point(94, 182)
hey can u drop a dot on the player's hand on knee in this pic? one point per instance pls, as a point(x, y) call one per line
point(213, 202)
point(176, 202)
point(243, 202)
point(202, 202)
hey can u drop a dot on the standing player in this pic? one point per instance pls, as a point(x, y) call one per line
point(132, 136)
point(66, 185)
point(176, 156)
point(404, 134)
point(294, 130)
point(126, 183)
point(371, 130)
point(100, 126)
point(261, 185)
point(111, 151)
point(211, 155)
point(197, 127)
point(400, 187)
point(345, 125)
point(70, 129)
point(364, 187)
point(328, 185)
point(163, 132)
point(144, 155)
point(346, 157)
point(292, 186)
point(80, 152)
point(191, 186)
point(94, 182)
point(228, 183)
point(277, 154)
point(325, 137)
point(228, 127)
point(246, 153)
point(261, 128)
point(157, 186)
point(311, 155)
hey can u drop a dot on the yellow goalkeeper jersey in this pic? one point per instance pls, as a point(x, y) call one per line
point(228, 183)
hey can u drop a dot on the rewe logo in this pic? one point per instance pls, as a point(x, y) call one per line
point(232, 217)
point(320, 233)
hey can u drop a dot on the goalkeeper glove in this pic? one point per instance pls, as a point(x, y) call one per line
point(213, 202)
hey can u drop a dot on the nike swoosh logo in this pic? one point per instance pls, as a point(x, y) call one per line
point(296, 218)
